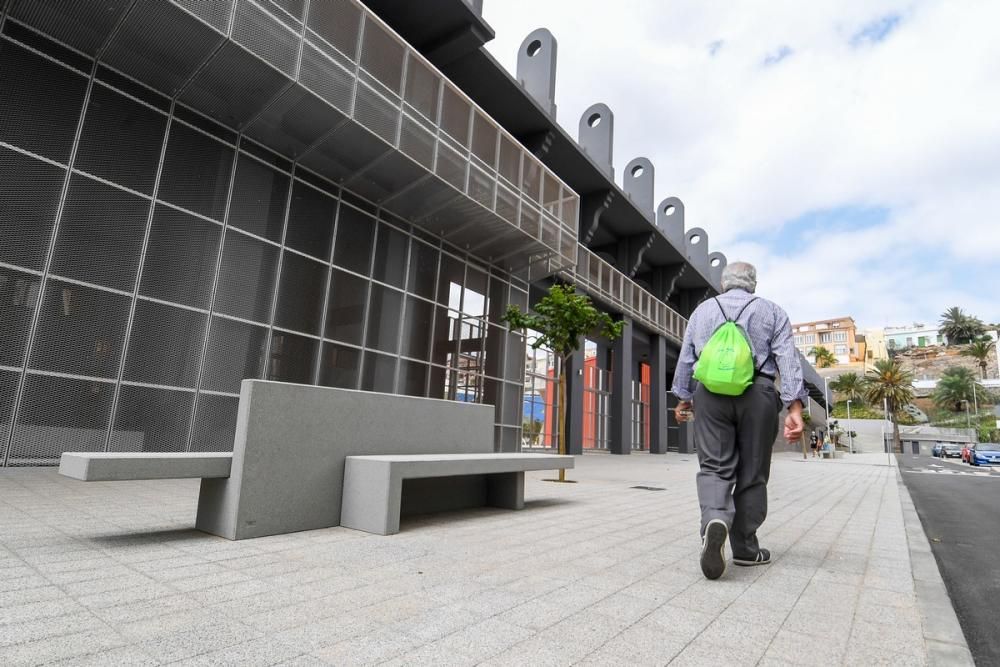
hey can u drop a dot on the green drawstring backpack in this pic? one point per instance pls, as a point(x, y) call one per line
point(726, 363)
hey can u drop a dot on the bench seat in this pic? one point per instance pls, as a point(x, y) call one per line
point(122, 466)
point(373, 485)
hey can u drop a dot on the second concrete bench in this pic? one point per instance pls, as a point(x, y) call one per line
point(373, 496)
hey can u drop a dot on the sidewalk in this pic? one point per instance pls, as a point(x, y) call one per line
point(595, 573)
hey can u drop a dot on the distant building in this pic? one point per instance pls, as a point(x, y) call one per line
point(915, 335)
point(837, 335)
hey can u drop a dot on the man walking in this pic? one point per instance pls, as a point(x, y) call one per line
point(734, 433)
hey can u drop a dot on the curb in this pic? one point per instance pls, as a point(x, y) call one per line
point(943, 634)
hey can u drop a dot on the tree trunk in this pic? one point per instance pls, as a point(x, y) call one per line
point(895, 435)
point(562, 415)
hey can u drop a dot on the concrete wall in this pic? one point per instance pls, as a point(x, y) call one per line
point(291, 442)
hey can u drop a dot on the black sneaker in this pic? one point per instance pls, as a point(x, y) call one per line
point(763, 557)
point(713, 549)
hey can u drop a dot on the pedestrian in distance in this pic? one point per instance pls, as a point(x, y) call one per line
point(735, 346)
point(813, 442)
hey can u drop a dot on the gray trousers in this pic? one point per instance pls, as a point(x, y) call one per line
point(734, 436)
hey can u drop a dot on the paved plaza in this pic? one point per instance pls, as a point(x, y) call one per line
point(595, 573)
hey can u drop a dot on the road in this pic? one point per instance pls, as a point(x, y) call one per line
point(959, 507)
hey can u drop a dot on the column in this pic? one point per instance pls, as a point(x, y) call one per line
point(658, 395)
point(621, 392)
point(574, 403)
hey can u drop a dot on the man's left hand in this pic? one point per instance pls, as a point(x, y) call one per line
point(684, 412)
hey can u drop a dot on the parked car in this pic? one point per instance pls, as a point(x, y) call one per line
point(984, 453)
point(951, 451)
point(936, 450)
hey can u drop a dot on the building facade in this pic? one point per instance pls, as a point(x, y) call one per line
point(836, 335)
point(195, 193)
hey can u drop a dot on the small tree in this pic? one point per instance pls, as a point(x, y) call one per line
point(824, 357)
point(850, 385)
point(980, 351)
point(562, 319)
point(887, 383)
point(954, 388)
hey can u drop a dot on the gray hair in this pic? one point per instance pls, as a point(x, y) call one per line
point(739, 275)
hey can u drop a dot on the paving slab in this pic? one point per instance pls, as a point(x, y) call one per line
point(593, 573)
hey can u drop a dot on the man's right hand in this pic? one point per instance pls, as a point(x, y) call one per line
point(683, 412)
point(793, 422)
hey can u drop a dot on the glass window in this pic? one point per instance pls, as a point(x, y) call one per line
point(450, 282)
point(30, 190)
point(379, 372)
point(355, 233)
point(246, 278)
point(292, 358)
point(300, 294)
point(152, 420)
point(236, 351)
point(165, 345)
point(100, 235)
point(390, 256)
point(345, 315)
point(260, 195)
point(80, 330)
point(339, 366)
point(412, 378)
point(180, 258)
point(310, 221)
point(417, 323)
point(196, 172)
point(423, 270)
point(384, 307)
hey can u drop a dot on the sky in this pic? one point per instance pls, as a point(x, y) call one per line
point(850, 149)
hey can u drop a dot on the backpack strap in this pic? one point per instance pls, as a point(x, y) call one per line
point(739, 314)
point(722, 310)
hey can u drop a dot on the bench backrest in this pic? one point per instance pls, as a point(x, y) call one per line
point(291, 442)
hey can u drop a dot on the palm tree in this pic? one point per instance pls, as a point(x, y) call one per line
point(824, 357)
point(960, 327)
point(887, 383)
point(850, 385)
point(954, 388)
point(980, 351)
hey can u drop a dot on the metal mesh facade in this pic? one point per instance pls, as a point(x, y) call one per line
point(151, 259)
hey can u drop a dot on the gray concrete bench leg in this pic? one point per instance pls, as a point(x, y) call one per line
point(372, 497)
point(505, 490)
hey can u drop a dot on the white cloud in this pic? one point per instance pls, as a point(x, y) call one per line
point(910, 123)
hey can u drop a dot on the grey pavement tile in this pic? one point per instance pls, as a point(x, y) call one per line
point(149, 591)
point(313, 636)
point(304, 661)
point(706, 652)
point(37, 610)
point(895, 638)
point(112, 571)
point(432, 624)
point(254, 652)
point(197, 639)
point(56, 648)
point(227, 592)
point(124, 656)
point(29, 631)
point(29, 595)
point(483, 639)
point(641, 644)
point(535, 614)
point(145, 609)
point(859, 655)
point(372, 649)
point(799, 649)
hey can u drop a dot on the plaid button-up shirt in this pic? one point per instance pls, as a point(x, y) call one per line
point(770, 335)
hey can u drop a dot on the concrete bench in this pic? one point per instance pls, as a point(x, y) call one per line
point(121, 466)
point(374, 493)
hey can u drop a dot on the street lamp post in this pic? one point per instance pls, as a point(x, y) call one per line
point(850, 434)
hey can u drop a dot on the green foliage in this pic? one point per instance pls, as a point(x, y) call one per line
point(562, 319)
point(954, 388)
point(824, 357)
point(532, 428)
point(888, 383)
point(850, 386)
point(859, 410)
point(960, 327)
point(980, 351)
